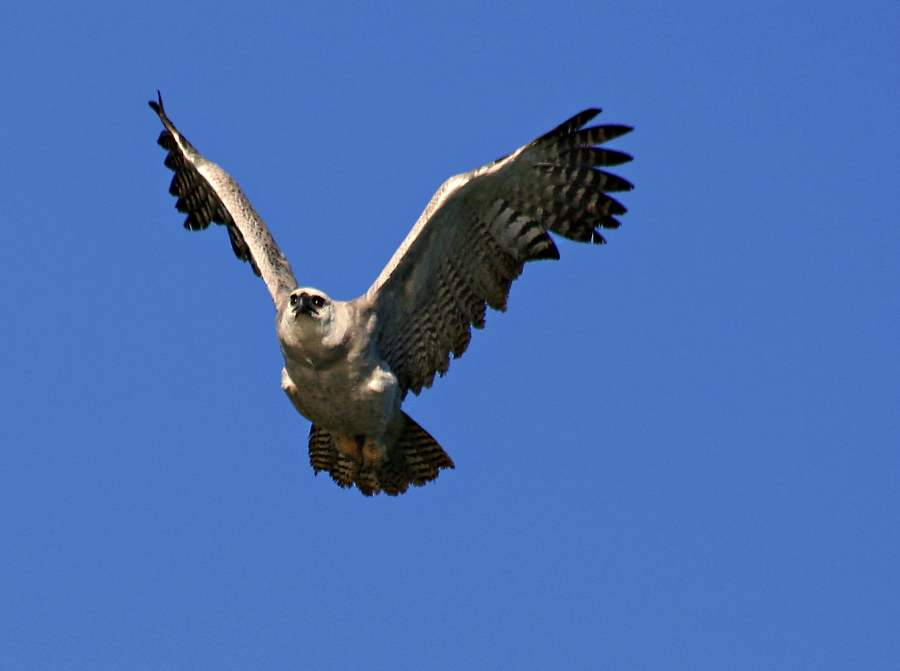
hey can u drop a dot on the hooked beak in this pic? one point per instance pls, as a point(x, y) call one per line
point(301, 304)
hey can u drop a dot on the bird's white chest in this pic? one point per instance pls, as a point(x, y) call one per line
point(355, 395)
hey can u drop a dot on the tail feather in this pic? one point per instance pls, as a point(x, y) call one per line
point(367, 481)
point(344, 471)
point(414, 459)
point(421, 453)
point(321, 449)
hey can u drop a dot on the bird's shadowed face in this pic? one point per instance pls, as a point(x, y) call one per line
point(312, 327)
point(310, 303)
point(310, 315)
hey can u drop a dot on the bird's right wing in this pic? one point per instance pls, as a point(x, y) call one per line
point(206, 193)
point(475, 236)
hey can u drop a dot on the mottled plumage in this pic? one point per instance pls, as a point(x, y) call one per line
point(349, 365)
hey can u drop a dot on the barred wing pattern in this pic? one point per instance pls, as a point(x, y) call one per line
point(206, 193)
point(475, 236)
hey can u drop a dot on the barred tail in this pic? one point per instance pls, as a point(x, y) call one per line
point(414, 459)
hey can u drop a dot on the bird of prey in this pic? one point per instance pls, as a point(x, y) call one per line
point(348, 365)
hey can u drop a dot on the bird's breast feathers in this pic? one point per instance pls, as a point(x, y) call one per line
point(355, 394)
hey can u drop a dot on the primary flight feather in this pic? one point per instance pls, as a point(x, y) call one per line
point(349, 364)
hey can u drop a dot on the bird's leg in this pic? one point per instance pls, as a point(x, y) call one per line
point(347, 445)
point(364, 449)
point(372, 451)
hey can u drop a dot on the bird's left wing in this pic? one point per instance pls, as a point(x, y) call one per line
point(475, 236)
point(206, 193)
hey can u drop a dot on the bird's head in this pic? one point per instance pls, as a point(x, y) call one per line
point(309, 303)
point(312, 326)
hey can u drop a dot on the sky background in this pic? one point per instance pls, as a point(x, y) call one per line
point(676, 451)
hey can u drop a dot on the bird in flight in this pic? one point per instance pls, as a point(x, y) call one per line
point(348, 365)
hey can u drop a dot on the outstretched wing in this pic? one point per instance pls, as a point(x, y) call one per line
point(475, 236)
point(206, 193)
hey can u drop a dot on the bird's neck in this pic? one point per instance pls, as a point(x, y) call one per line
point(312, 343)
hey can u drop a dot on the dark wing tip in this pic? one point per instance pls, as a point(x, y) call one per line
point(572, 124)
point(612, 183)
point(584, 116)
point(577, 121)
point(616, 130)
point(157, 106)
point(611, 157)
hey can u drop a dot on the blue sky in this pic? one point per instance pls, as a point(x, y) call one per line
point(676, 451)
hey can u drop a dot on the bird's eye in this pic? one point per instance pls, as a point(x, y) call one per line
point(317, 301)
point(293, 299)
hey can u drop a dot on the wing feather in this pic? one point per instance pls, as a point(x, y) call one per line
point(475, 236)
point(208, 194)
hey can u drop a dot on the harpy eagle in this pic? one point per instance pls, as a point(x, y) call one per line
point(348, 365)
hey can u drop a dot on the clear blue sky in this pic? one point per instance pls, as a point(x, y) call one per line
point(676, 451)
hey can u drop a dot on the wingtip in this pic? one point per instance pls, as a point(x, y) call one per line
point(583, 117)
point(622, 129)
point(157, 106)
point(572, 124)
